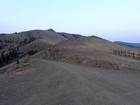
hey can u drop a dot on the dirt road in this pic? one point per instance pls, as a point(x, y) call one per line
point(58, 83)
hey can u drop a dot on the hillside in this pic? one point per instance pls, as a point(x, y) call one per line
point(34, 39)
point(69, 36)
point(31, 38)
point(96, 52)
point(28, 42)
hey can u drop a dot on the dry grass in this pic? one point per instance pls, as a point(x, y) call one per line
point(95, 52)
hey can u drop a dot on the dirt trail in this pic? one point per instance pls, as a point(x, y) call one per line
point(58, 83)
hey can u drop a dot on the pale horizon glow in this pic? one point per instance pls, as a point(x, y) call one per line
point(115, 20)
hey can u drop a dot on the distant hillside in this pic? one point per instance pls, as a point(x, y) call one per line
point(69, 36)
point(92, 43)
point(33, 40)
point(134, 45)
point(30, 42)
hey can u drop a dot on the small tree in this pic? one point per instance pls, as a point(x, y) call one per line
point(1, 63)
point(7, 58)
point(3, 56)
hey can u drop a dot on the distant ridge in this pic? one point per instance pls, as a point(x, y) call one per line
point(51, 30)
point(134, 45)
point(69, 36)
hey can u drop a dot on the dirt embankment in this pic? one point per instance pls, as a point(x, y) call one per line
point(100, 59)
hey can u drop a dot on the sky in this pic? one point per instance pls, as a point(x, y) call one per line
point(115, 20)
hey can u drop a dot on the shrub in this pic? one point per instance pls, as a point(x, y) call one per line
point(32, 52)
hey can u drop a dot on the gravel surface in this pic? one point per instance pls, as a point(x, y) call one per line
point(56, 83)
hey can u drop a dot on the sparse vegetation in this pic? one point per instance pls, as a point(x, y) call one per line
point(32, 52)
point(127, 54)
point(0, 47)
point(9, 56)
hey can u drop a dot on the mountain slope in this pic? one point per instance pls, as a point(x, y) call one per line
point(26, 37)
point(96, 52)
point(17, 45)
point(94, 42)
point(69, 36)
point(37, 39)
